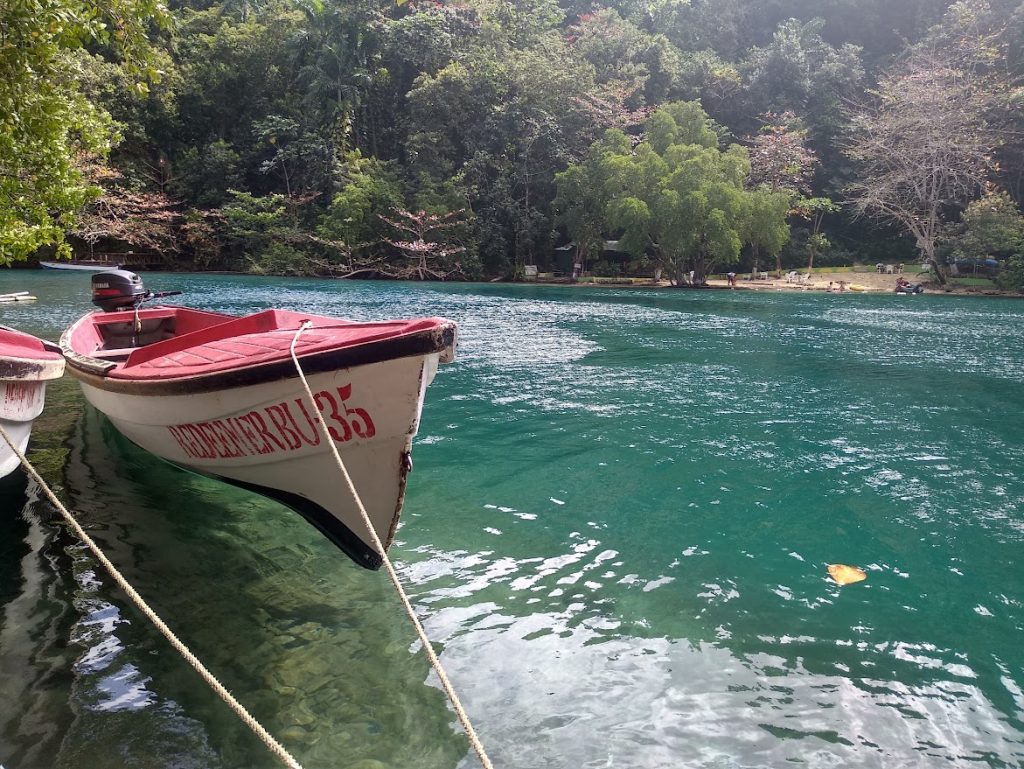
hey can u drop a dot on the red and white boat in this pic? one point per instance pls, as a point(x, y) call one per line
point(220, 395)
point(26, 364)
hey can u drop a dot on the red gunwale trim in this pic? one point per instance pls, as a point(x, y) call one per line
point(427, 335)
point(24, 358)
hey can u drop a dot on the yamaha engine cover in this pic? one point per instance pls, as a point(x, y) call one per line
point(117, 290)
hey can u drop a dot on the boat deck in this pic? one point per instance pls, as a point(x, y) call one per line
point(252, 341)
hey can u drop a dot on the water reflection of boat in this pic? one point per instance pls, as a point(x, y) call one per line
point(261, 600)
point(26, 364)
point(34, 624)
point(220, 395)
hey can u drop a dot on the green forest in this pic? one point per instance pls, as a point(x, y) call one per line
point(470, 140)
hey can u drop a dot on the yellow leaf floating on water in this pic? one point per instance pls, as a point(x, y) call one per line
point(845, 575)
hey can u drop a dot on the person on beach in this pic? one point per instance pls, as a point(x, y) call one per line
point(731, 277)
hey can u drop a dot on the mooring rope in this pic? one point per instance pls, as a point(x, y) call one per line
point(140, 603)
point(406, 603)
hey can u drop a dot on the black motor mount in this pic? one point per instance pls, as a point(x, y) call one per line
point(117, 290)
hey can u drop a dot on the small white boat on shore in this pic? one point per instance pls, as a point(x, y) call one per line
point(26, 364)
point(220, 395)
point(79, 266)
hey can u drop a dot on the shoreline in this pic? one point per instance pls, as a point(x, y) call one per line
point(863, 282)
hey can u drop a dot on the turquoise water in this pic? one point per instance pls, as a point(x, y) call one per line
point(616, 532)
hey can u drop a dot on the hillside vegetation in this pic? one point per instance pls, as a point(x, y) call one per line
point(435, 140)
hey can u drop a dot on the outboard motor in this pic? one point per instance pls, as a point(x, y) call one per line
point(121, 290)
point(117, 290)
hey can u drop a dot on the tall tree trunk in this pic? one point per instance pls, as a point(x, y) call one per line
point(937, 269)
point(927, 248)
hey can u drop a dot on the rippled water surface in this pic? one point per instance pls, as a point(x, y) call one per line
point(617, 534)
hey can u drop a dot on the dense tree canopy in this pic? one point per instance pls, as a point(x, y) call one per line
point(675, 198)
point(47, 125)
point(283, 136)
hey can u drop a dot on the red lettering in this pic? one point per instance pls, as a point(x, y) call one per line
point(335, 417)
point(176, 434)
point(224, 439)
point(250, 434)
point(212, 439)
point(230, 432)
point(250, 437)
point(256, 420)
point(280, 420)
point(364, 430)
point(19, 392)
point(197, 449)
point(259, 442)
point(315, 439)
point(205, 449)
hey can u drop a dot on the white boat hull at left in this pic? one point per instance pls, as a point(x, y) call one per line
point(25, 366)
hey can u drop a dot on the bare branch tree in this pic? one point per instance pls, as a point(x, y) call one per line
point(144, 220)
point(925, 147)
point(779, 156)
point(428, 258)
point(781, 162)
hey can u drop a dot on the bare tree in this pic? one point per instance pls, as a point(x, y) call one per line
point(779, 156)
point(121, 217)
point(428, 257)
point(781, 162)
point(924, 148)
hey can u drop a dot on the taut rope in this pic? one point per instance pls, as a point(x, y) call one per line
point(427, 648)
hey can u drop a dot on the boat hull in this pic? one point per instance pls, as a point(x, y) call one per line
point(22, 403)
point(221, 395)
point(77, 266)
point(265, 438)
point(25, 367)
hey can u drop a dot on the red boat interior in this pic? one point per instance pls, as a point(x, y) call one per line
point(169, 342)
point(115, 335)
point(14, 344)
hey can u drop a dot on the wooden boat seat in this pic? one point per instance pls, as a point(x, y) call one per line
point(124, 316)
point(116, 354)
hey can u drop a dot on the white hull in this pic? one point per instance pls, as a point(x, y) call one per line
point(20, 403)
point(76, 267)
point(19, 432)
point(264, 436)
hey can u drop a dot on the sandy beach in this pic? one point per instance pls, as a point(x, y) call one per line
point(862, 282)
